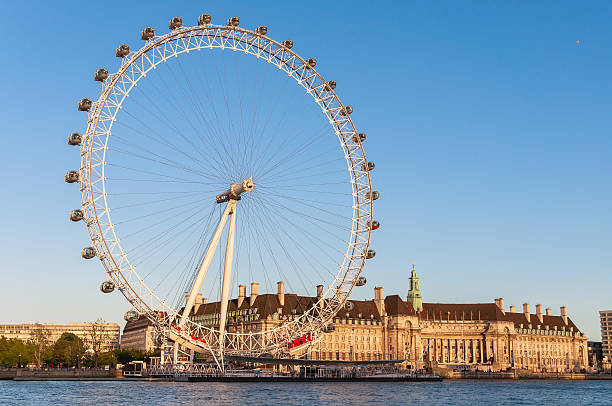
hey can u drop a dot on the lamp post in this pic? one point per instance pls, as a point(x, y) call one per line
point(19, 364)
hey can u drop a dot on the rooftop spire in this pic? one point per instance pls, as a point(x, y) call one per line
point(414, 293)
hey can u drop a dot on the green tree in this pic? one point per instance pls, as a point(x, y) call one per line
point(14, 351)
point(67, 351)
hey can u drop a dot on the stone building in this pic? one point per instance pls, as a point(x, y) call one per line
point(485, 335)
point(107, 332)
point(139, 335)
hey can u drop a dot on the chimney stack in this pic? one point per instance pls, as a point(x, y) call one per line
point(539, 313)
point(196, 303)
point(379, 300)
point(241, 294)
point(512, 309)
point(281, 293)
point(548, 311)
point(564, 314)
point(319, 295)
point(497, 302)
point(501, 305)
point(526, 312)
point(254, 292)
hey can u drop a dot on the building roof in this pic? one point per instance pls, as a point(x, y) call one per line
point(268, 305)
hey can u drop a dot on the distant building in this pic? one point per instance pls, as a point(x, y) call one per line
point(109, 332)
point(477, 335)
point(595, 353)
point(138, 334)
point(605, 320)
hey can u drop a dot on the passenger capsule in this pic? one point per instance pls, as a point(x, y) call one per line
point(77, 215)
point(122, 51)
point(107, 286)
point(71, 176)
point(175, 22)
point(331, 327)
point(288, 44)
point(359, 137)
point(374, 225)
point(101, 75)
point(367, 166)
point(331, 85)
point(74, 139)
point(147, 33)
point(131, 315)
point(85, 104)
point(88, 252)
point(233, 22)
point(373, 195)
point(204, 19)
point(361, 281)
point(262, 30)
point(347, 110)
point(311, 63)
point(370, 254)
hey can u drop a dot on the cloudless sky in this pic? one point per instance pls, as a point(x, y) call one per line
point(489, 125)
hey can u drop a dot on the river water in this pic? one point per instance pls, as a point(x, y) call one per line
point(457, 392)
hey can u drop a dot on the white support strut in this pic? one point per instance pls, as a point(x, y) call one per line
point(227, 276)
point(210, 253)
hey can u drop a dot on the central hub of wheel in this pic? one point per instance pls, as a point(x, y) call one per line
point(235, 190)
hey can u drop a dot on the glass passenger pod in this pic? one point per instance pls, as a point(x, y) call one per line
point(331, 85)
point(101, 75)
point(361, 281)
point(77, 215)
point(367, 166)
point(311, 63)
point(288, 44)
point(107, 286)
point(373, 225)
point(346, 111)
point(131, 315)
point(329, 328)
point(85, 104)
point(74, 139)
point(72, 176)
point(147, 33)
point(122, 51)
point(175, 22)
point(88, 252)
point(204, 19)
point(370, 254)
point(373, 195)
point(262, 30)
point(359, 137)
point(233, 22)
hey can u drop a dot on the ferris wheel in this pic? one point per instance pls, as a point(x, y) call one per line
point(214, 136)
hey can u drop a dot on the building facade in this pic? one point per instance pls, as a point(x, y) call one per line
point(605, 320)
point(476, 335)
point(107, 332)
point(138, 335)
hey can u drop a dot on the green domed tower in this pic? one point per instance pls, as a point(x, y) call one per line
point(414, 294)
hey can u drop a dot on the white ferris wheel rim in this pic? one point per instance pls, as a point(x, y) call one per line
point(101, 117)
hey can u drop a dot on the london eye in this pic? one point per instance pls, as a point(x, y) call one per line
point(213, 156)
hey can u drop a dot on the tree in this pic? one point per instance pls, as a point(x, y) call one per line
point(68, 350)
point(15, 352)
point(97, 339)
point(40, 342)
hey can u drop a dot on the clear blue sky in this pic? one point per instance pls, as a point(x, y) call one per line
point(490, 128)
